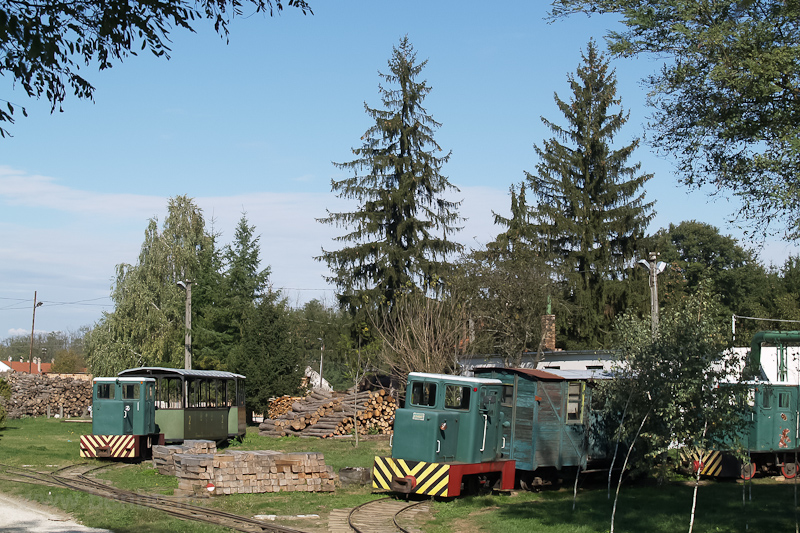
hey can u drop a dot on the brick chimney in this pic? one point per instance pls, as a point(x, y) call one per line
point(549, 332)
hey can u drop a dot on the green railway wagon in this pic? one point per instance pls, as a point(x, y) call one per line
point(550, 424)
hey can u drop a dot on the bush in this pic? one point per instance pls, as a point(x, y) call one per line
point(5, 395)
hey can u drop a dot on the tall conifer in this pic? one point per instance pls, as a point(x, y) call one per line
point(398, 236)
point(591, 210)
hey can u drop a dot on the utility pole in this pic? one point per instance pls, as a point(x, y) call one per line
point(655, 268)
point(187, 343)
point(33, 324)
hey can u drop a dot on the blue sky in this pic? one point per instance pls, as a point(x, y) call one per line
point(254, 126)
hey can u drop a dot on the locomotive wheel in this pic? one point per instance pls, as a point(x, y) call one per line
point(789, 470)
point(748, 470)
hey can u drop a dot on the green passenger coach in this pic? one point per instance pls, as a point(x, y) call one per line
point(196, 404)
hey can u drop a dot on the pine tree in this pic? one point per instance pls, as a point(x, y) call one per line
point(590, 212)
point(398, 236)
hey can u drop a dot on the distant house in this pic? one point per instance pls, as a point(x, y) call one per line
point(25, 366)
point(4, 367)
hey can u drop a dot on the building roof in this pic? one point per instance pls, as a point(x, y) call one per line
point(26, 367)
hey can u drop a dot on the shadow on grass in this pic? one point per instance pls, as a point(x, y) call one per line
point(660, 509)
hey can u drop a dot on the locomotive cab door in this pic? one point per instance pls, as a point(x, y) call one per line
point(489, 410)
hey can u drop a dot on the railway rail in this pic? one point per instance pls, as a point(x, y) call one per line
point(384, 515)
point(79, 481)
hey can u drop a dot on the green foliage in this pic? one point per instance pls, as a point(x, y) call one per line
point(147, 326)
point(5, 395)
point(43, 43)
point(398, 234)
point(68, 362)
point(726, 100)
point(45, 345)
point(672, 381)
point(507, 289)
point(590, 213)
point(266, 355)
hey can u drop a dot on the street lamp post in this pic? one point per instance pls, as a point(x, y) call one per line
point(187, 343)
point(33, 324)
point(655, 268)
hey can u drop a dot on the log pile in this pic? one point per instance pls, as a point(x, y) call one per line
point(33, 394)
point(281, 406)
point(326, 415)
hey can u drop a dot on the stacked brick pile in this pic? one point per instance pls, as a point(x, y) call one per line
point(164, 456)
point(237, 472)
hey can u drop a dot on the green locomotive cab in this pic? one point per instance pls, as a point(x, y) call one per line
point(447, 438)
point(123, 418)
point(449, 418)
point(123, 406)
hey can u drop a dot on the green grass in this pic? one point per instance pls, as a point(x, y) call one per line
point(48, 444)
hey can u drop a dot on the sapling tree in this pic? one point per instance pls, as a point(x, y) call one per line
point(680, 387)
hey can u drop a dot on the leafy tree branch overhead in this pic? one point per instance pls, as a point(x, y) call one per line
point(43, 44)
point(726, 99)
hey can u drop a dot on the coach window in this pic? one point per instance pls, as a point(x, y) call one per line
point(574, 403)
point(456, 397)
point(105, 391)
point(423, 394)
point(194, 392)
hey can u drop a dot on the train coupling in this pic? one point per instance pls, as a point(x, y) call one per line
point(403, 485)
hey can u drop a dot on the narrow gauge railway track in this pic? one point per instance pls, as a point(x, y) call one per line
point(384, 515)
point(172, 507)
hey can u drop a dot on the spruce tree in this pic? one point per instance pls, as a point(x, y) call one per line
point(591, 211)
point(397, 238)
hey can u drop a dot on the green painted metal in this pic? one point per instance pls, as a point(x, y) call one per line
point(205, 423)
point(774, 418)
point(170, 423)
point(539, 432)
point(451, 418)
point(123, 406)
point(778, 338)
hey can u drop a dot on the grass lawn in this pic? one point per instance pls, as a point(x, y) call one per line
point(48, 444)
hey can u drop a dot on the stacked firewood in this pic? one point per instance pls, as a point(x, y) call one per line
point(38, 395)
point(326, 415)
point(281, 405)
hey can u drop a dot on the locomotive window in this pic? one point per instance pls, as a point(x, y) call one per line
point(423, 394)
point(574, 403)
point(508, 395)
point(105, 391)
point(130, 391)
point(766, 399)
point(456, 397)
point(783, 400)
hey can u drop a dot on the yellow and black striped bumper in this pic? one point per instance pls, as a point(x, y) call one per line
point(411, 477)
point(708, 462)
point(114, 446)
